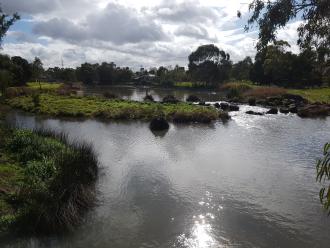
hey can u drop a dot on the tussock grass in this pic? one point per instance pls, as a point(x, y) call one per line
point(90, 107)
point(54, 177)
point(264, 92)
point(239, 86)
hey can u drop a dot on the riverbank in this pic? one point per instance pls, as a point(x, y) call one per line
point(91, 107)
point(46, 183)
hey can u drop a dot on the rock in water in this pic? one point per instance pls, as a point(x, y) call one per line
point(284, 110)
point(252, 102)
point(313, 110)
point(217, 105)
point(272, 111)
point(233, 108)
point(250, 112)
point(159, 124)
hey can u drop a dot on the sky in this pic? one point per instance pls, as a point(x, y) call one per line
point(133, 33)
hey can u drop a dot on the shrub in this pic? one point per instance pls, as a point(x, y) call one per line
point(58, 183)
point(264, 92)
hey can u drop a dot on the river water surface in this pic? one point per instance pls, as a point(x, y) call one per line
point(249, 182)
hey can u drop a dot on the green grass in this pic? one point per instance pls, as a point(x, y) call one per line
point(258, 91)
point(313, 95)
point(42, 174)
point(72, 106)
point(44, 86)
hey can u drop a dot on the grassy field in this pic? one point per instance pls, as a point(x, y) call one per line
point(313, 95)
point(56, 105)
point(44, 85)
point(42, 174)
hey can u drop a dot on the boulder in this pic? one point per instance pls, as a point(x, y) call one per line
point(159, 124)
point(272, 111)
point(224, 106)
point(148, 98)
point(217, 105)
point(312, 111)
point(170, 99)
point(192, 98)
point(293, 109)
point(295, 98)
point(252, 101)
point(233, 108)
point(284, 110)
point(201, 103)
point(250, 112)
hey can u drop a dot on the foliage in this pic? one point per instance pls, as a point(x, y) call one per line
point(276, 66)
point(323, 176)
point(37, 69)
point(272, 15)
point(108, 108)
point(241, 70)
point(6, 22)
point(209, 64)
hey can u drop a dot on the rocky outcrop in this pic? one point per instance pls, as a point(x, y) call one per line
point(272, 111)
point(252, 101)
point(314, 110)
point(250, 112)
point(284, 110)
point(233, 107)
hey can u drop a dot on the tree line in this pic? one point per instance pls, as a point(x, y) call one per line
point(208, 66)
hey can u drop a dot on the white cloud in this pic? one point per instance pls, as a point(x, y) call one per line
point(129, 32)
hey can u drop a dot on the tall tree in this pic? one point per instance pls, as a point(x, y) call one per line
point(272, 15)
point(5, 22)
point(209, 64)
point(37, 69)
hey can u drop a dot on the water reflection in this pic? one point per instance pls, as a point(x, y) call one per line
point(249, 183)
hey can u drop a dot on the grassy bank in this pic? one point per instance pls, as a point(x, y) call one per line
point(55, 105)
point(247, 89)
point(46, 183)
point(313, 95)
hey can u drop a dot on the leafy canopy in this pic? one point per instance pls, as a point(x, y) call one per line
point(5, 22)
point(272, 15)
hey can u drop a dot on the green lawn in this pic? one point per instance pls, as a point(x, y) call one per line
point(313, 95)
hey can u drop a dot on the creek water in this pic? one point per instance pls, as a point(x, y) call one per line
point(249, 182)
